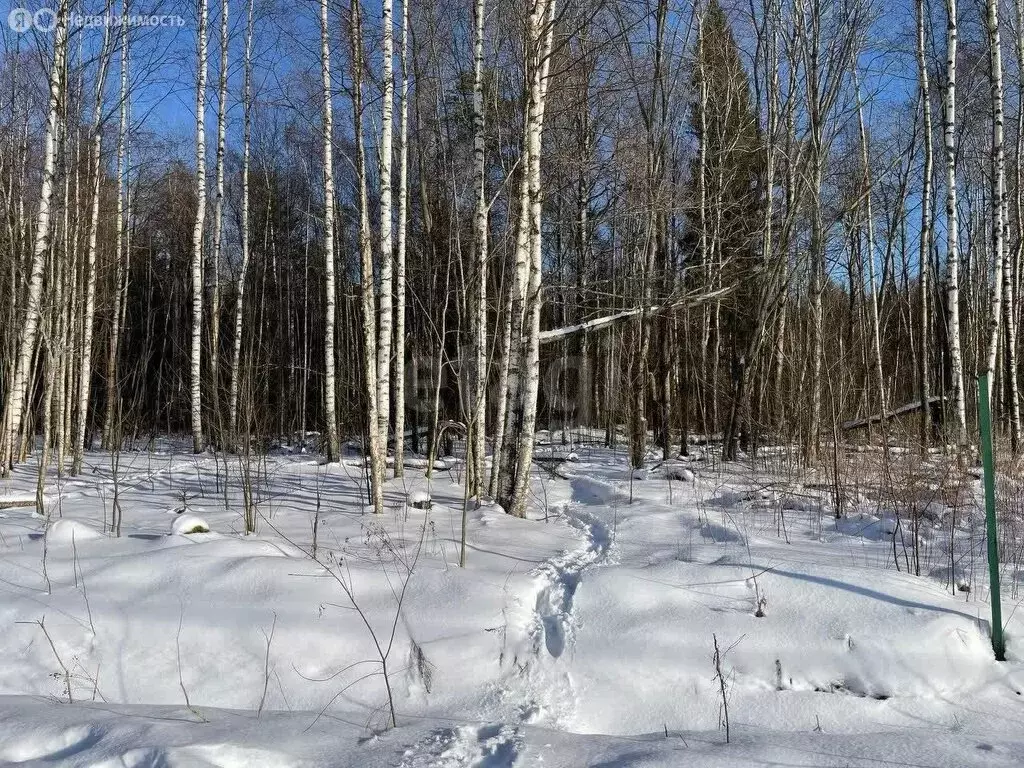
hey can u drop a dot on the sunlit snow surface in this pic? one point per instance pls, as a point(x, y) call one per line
point(579, 637)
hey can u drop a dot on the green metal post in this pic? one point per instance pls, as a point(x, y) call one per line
point(988, 464)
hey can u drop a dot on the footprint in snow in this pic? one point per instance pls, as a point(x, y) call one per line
point(490, 746)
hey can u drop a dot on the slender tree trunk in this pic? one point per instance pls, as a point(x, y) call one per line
point(17, 395)
point(480, 249)
point(386, 218)
point(89, 310)
point(330, 383)
point(505, 465)
point(236, 353)
point(504, 374)
point(1000, 254)
point(655, 168)
point(876, 333)
point(197, 240)
point(953, 233)
point(121, 273)
point(218, 219)
point(704, 244)
point(400, 247)
point(1012, 296)
point(375, 440)
point(817, 236)
point(541, 33)
point(925, 238)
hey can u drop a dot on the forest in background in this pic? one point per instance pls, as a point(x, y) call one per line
point(750, 222)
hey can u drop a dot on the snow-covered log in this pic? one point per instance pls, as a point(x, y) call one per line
point(597, 323)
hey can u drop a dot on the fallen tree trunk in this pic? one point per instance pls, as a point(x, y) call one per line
point(557, 334)
point(877, 418)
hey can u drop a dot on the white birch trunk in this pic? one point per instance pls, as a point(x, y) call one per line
point(218, 217)
point(400, 247)
point(63, 399)
point(953, 232)
point(386, 216)
point(89, 309)
point(480, 247)
point(504, 371)
point(376, 445)
point(1000, 254)
point(236, 348)
point(505, 464)
point(330, 401)
point(197, 241)
point(121, 273)
point(703, 248)
point(18, 394)
point(1010, 307)
point(541, 36)
point(925, 241)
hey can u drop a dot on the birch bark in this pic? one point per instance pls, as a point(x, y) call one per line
point(925, 238)
point(400, 247)
point(480, 248)
point(236, 352)
point(953, 233)
point(18, 393)
point(376, 444)
point(218, 217)
point(196, 354)
point(386, 216)
point(541, 36)
point(330, 385)
point(89, 310)
point(121, 273)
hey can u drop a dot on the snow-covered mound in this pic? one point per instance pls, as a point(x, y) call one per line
point(420, 499)
point(676, 471)
point(66, 530)
point(187, 523)
point(582, 635)
point(8, 501)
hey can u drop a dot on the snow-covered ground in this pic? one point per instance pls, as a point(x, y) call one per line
point(583, 636)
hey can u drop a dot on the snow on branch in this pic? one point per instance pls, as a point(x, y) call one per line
point(602, 322)
point(901, 411)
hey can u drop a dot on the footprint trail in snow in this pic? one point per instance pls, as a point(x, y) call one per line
point(534, 687)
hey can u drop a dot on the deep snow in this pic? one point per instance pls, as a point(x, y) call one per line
point(579, 637)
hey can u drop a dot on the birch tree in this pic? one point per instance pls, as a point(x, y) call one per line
point(1000, 254)
point(236, 352)
point(925, 235)
point(89, 309)
point(197, 239)
point(1010, 302)
point(400, 247)
point(112, 412)
point(524, 379)
point(330, 384)
point(375, 443)
point(17, 395)
point(218, 215)
point(953, 232)
point(480, 248)
point(386, 220)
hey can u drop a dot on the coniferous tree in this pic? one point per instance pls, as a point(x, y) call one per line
point(726, 127)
